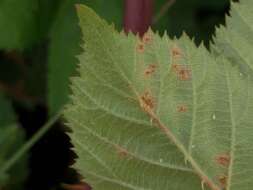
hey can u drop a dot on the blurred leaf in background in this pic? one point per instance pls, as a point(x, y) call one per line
point(11, 139)
point(24, 23)
point(18, 25)
point(65, 46)
point(196, 17)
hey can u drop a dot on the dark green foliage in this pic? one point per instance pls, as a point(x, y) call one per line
point(11, 139)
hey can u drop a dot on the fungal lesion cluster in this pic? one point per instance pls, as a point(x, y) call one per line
point(223, 160)
point(183, 71)
point(147, 101)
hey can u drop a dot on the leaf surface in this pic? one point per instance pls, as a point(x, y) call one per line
point(236, 43)
point(155, 113)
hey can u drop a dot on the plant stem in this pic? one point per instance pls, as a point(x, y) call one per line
point(29, 144)
point(138, 16)
point(163, 10)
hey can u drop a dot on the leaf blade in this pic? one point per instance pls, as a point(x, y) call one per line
point(184, 93)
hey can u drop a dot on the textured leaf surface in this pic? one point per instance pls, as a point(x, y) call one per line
point(156, 113)
point(11, 138)
point(236, 43)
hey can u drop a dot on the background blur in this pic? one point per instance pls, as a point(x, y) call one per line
point(39, 40)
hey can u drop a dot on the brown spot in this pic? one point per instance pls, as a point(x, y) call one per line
point(176, 52)
point(182, 108)
point(175, 67)
point(183, 72)
point(150, 69)
point(223, 181)
point(140, 47)
point(121, 151)
point(147, 38)
point(147, 101)
point(223, 160)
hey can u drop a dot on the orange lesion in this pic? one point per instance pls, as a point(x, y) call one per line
point(182, 108)
point(140, 47)
point(223, 159)
point(183, 72)
point(147, 38)
point(150, 70)
point(176, 52)
point(223, 181)
point(121, 152)
point(147, 101)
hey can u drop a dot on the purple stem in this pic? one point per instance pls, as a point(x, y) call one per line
point(138, 16)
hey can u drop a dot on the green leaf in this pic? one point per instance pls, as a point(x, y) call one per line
point(236, 43)
point(25, 23)
point(11, 139)
point(111, 10)
point(156, 113)
point(18, 23)
point(66, 37)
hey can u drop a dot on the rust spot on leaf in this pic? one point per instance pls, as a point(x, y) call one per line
point(176, 52)
point(223, 160)
point(223, 181)
point(147, 38)
point(150, 70)
point(140, 47)
point(183, 72)
point(147, 101)
point(175, 67)
point(182, 108)
point(122, 153)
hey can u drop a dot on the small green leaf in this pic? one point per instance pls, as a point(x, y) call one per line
point(156, 113)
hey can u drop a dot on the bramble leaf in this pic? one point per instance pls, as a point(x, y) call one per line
point(153, 113)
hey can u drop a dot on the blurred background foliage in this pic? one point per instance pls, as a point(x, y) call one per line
point(39, 41)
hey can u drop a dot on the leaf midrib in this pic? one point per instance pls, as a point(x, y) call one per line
point(233, 131)
point(160, 125)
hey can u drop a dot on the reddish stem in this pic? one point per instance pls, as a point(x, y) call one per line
point(138, 16)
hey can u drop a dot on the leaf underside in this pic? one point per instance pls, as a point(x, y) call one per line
point(153, 113)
